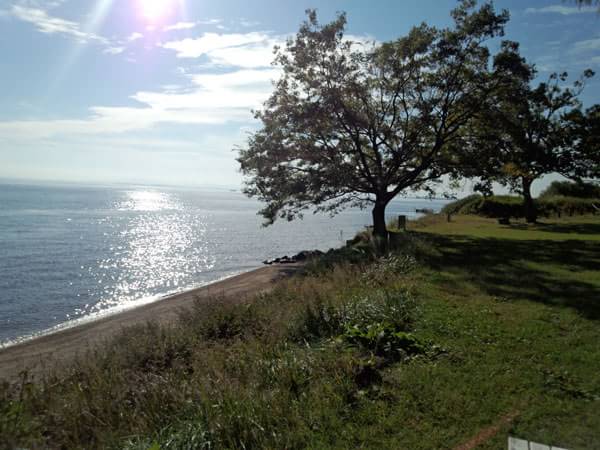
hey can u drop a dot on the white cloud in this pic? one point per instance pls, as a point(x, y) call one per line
point(189, 25)
point(180, 26)
point(135, 36)
point(113, 50)
point(249, 56)
point(561, 9)
point(587, 45)
point(208, 42)
point(248, 23)
point(211, 99)
point(246, 50)
point(45, 23)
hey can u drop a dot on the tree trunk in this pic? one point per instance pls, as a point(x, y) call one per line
point(528, 205)
point(380, 232)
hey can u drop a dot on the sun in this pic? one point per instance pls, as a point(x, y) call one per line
point(155, 10)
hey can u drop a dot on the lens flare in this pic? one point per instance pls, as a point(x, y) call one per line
point(155, 10)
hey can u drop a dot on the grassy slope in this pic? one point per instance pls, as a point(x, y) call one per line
point(509, 315)
point(521, 305)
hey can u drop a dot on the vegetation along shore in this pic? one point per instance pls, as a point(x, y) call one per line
point(460, 326)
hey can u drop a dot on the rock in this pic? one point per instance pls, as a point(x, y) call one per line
point(286, 260)
point(302, 256)
point(424, 210)
point(307, 254)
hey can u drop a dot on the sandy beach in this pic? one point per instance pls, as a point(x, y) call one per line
point(43, 351)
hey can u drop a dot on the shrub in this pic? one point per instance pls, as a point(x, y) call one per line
point(360, 253)
point(325, 320)
point(380, 272)
point(570, 189)
point(567, 206)
point(385, 340)
point(512, 206)
point(456, 206)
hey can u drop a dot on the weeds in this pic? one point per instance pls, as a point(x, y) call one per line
point(344, 357)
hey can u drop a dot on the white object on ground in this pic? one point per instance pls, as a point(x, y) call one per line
point(520, 444)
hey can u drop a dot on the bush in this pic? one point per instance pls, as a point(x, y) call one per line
point(567, 206)
point(498, 206)
point(494, 206)
point(385, 340)
point(456, 206)
point(361, 253)
point(395, 309)
point(570, 189)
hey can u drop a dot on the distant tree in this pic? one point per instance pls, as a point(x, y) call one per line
point(587, 2)
point(355, 125)
point(528, 131)
point(582, 3)
point(584, 130)
point(572, 189)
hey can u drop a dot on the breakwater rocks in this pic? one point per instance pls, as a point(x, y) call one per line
point(302, 256)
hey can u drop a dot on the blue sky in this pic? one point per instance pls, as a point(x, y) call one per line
point(160, 91)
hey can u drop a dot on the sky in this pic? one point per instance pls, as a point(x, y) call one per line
point(161, 91)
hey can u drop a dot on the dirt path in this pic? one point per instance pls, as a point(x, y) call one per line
point(39, 352)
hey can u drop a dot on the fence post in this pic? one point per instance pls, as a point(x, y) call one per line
point(402, 223)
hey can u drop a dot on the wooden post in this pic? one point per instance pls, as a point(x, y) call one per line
point(402, 223)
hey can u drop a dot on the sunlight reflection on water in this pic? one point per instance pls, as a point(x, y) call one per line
point(71, 253)
point(156, 250)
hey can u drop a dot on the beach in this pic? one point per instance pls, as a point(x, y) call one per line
point(44, 351)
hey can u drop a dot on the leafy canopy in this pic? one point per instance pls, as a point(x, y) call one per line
point(530, 130)
point(351, 123)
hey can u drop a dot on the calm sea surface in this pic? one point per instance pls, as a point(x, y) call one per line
point(71, 253)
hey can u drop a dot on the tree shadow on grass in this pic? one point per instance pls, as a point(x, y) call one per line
point(568, 228)
point(502, 267)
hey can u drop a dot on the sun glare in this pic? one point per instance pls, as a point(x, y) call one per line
point(155, 10)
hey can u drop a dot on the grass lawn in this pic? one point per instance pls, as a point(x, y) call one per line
point(485, 331)
point(520, 304)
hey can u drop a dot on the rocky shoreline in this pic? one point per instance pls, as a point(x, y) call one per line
point(299, 257)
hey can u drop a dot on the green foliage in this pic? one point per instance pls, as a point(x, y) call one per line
point(326, 320)
point(528, 131)
point(385, 340)
point(571, 189)
point(386, 268)
point(510, 206)
point(567, 206)
point(331, 134)
point(494, 206)
point(456, 206)
point(360, 253)
point(343, 359)
point(18, 424)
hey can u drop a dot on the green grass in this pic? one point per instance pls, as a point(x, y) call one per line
point(423, 351)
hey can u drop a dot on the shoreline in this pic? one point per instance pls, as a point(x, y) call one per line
point(42, 351)
point(99, 315)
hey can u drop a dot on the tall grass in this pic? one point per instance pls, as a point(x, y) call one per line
point(232, 376)
point(419, 349)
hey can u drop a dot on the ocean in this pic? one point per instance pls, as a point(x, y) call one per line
point(73, 253)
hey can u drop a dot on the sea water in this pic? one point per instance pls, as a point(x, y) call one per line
point(70, 253)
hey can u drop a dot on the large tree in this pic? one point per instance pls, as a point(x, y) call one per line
point(357, 124)
point(584, 129)
point(532, 130)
